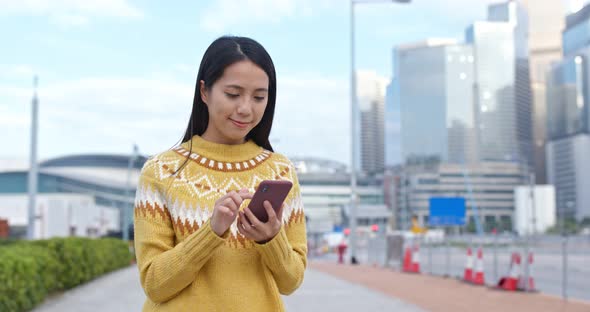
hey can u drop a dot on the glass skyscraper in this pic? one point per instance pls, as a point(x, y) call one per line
point(371, 110)
point(502, 84)
point(567, 97)
point(435, 83)
point(568, 93)
point(568, 120)
point(495, 73)
point(546, 21)
point(392, 126)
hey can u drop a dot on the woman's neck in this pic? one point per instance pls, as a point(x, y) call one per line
point(219, 139)
point(223, 152)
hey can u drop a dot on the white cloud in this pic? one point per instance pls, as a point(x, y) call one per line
point(108, 115)
point(70, 20)
point(312, 117)
point(226, 14)
point(16, 71)
point(98, 115)
point(71, 12)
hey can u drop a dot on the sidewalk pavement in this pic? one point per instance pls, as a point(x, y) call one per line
point(326, 293)
point(330, 287)
point(440, 294)
point(114, 292)
point(121, 291)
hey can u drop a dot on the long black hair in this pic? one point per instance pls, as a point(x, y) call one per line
point(222, 53)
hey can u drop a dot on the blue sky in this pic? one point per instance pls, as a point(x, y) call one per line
point(118, 72)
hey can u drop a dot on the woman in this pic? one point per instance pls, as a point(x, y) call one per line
point(198, 246)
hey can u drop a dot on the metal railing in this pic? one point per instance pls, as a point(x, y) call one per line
point(560, 264)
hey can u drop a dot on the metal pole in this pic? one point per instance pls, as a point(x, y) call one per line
point(495, 243)
point(429, 244)
point(568, 204)
point(33, 170)
point(448, 256)
point(353, 196)
point(526, 263)
point(533, 205)
point(564, 266)
point(405, 210)
point(126, 207)
point(529, 233)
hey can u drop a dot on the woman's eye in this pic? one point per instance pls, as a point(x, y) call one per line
point(231, 95)
point(259, 98)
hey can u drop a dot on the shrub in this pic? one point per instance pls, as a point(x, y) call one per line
point(30, 270)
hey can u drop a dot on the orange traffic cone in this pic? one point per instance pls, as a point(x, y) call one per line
point(479, 275)
point(510, 282)
point(407, 266)
point(468, 274)
point(531, 286)
point(416, 260)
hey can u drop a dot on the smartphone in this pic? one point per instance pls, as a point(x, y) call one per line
point(275, 191)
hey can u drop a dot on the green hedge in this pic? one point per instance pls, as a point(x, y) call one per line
point(30, 270)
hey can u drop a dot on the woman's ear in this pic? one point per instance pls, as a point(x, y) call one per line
point(203, 91)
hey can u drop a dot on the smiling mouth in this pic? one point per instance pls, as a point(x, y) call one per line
point(240, 124)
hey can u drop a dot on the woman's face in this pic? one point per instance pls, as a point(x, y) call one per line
point(236, 102)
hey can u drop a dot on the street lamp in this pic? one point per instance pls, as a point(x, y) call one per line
point(34, 169)
point(353, 118)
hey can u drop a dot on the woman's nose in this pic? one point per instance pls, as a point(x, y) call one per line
point(245, 107)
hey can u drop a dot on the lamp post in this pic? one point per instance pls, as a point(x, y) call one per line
point(353, 119)
point(34, 169)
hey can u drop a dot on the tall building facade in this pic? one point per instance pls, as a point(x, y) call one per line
point(502, 84)
point(371, 90)
point(488, 189)
point(393, 152)
point(435, 83)
point(569, 171)
point(494, 89)
point(568, 120)
point(546, 22)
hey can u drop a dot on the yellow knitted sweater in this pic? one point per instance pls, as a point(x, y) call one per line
point(183, 264)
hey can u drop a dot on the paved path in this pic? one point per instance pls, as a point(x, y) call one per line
point(114, 292)
point(120, 291)
point(325, 293)
point(446, 295)
point(329, 287)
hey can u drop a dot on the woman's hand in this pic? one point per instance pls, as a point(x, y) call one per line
point(254, 229)
point(226, 210)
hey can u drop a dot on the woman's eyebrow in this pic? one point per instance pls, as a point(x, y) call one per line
point(242, 88)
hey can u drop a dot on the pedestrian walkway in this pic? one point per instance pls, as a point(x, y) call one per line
point(121, 291)
point(116, 291)
point(326, 293)
point(439, 294)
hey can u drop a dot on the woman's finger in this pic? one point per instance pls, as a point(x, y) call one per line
point(235, 198)
point(269, 211)
point(245, 222)
point(229, 202)
point(245, 194)
point(252, 218)
point(227, 211)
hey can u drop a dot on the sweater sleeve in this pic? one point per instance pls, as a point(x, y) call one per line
point(286, 254)
point(166, 268)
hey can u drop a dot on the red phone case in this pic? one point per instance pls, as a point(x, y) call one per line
point(275, 191)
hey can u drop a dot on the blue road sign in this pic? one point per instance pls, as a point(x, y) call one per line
point(447, 211)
